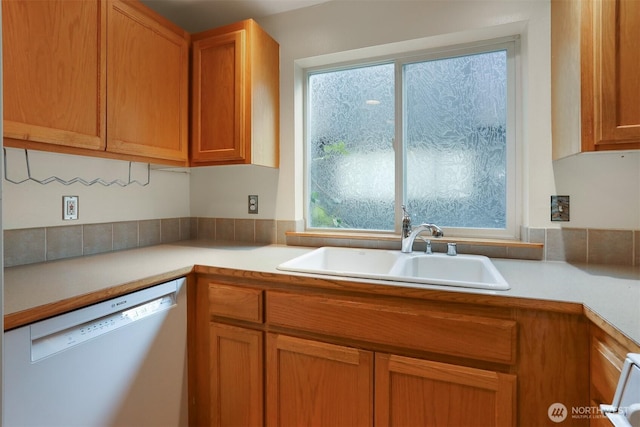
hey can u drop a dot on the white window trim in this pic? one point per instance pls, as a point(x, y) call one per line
point(514, 138)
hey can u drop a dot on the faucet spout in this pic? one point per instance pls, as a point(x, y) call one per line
point(408, 239)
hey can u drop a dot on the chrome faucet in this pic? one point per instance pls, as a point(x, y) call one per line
point(410, 233)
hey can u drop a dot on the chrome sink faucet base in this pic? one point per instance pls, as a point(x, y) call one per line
point(410, 233)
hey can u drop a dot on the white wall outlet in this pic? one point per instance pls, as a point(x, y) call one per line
point(69, 207)
point(253, 204)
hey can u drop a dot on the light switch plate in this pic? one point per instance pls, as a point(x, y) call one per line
point(559, 208)
point(69, 207)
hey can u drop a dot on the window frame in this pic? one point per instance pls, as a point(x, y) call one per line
point(510, 44)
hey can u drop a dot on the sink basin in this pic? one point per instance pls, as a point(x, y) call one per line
point(344, 262)
point(470, 271)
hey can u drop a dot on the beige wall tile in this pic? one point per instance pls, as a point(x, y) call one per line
point(265, 231)
point(125, 235)
point(170, 230)
point(149, 232)
point(567, 244)
point(97, 238)
point(610, 247)
point(64, 242)
point(245, 230)
point(188, 228)
point(225, 229)
point(281, 228)
point(206, 228)
point(25, 246)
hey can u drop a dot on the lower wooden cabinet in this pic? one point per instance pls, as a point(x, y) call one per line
point(415, 392)
point(236, 376)
point(273, 354)
point(315, 383)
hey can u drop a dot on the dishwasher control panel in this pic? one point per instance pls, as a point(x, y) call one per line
point(128, 309)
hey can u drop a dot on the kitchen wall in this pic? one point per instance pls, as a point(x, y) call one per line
point(31, 204)
point(604, 188)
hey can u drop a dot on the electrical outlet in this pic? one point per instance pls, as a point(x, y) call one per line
point(253, 204)
point(559, 208)
point(69, 207)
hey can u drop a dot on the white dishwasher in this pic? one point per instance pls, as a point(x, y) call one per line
point(121, 362)
point(624, 411)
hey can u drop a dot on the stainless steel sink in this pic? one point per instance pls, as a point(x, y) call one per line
point(470, 271)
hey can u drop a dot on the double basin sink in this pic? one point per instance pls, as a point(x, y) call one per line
point(416, 268)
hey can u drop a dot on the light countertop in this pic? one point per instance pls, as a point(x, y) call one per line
point(611, 292)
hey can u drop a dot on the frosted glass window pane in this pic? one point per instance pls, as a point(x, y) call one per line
point(350, 156)
point(455, 114)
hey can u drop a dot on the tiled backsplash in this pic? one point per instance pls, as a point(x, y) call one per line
point(32, 245)
point(587, 245)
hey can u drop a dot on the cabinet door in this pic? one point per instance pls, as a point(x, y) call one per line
point(236, 376)
point(219, 122)
point(620, 63)
point(414, 392)
point(53, 65)
point(314, 383)
point(616, 110)
point(147, 85)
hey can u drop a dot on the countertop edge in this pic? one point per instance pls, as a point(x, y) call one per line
point(41, 312)
point(547, 286)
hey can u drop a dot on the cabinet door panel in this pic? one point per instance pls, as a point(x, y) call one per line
point(620, 61)
point(317, 384)
point(53, 62)
point(236, 376)
point(235, 96)
point(397, 324)
point(218, 92)
point(147, 86)
point(420, 392)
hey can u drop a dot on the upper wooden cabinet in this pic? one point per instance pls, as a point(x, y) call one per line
point(54, 62)
point(594, 63)
point(147, 84)
point(107, 76)
point(235, 96)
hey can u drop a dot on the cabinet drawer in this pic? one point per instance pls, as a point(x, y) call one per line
point(607, 358)
point(235, 302)
point(395, 324)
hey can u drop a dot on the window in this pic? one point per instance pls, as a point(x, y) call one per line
point(434, 132)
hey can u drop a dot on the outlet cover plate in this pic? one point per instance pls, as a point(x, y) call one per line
point(69, 207)
point(253, 204)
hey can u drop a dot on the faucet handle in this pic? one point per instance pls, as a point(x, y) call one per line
point(452, 249)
